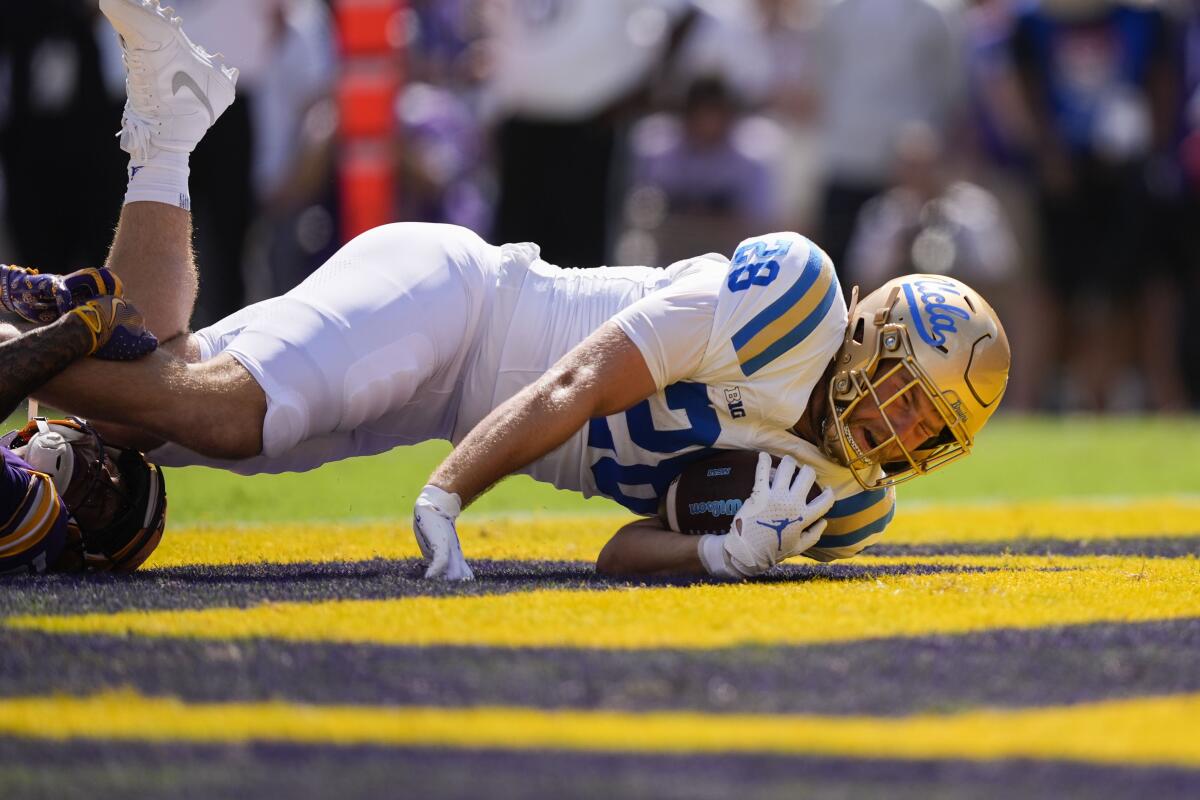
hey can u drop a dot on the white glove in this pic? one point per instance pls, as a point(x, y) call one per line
point(433, 525)
point(776, 522)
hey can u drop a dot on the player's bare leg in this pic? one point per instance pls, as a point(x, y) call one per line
point(152, 252)
point(175, 91)
point(213, 407)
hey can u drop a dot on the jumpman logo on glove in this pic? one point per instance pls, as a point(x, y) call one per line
point(779, 526)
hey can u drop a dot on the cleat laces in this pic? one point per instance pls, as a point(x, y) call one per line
point(136, 134)
point(139, 81)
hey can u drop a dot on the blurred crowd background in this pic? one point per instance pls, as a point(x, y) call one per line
point(1047, 153)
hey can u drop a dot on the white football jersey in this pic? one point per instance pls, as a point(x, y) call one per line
point(735, 348)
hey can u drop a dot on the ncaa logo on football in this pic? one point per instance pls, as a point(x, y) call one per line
point(733, 399)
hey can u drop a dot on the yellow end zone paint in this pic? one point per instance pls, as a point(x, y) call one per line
point(580, 538)
point(1144, 731)
point(1065, 519)
point(559, 538)
point(1020, 593)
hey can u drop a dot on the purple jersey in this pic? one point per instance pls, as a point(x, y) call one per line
point(33, 519)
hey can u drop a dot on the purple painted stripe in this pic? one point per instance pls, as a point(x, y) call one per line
point(101, 770)
point(1004, 668)
point(248, 585)
point(1151, 546)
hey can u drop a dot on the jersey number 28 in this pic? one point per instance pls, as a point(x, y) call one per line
point(755, 264)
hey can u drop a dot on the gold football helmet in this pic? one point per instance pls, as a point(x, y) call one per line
point(944, 341)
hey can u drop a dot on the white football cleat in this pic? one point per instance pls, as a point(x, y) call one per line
point(175, 89)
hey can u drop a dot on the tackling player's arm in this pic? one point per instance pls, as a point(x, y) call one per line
point(106, 327)
point(81, 314)
point(32, 358)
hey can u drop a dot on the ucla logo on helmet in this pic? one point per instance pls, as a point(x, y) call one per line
point(933, 317)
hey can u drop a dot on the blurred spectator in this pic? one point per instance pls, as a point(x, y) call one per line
point(709, 173)
point(294, 122)
point(788, 28)
point(884, 64)
point(445, 165)
point(1189, 151)
point(999, 145)
point(64, 176)
point(440, 35)
point(1000, 117)
point(930, 222)
point(443, 159)
point(1189, 147)
point(565, 72)
point(1099, 81)
point(764, 52)
point(724, 41)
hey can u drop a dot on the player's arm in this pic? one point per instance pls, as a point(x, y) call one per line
point(32, 358)
point(645, 547)
point(650, 344)
point(604, 374)
point(106, 326)
point(82, 314)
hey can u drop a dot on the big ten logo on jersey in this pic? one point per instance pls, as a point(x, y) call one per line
point(640, 455)
point(733, 399)
point(756, 263)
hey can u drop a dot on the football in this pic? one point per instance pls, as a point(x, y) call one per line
point(706, 496)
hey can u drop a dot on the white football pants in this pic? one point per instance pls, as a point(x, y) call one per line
point(366, 354)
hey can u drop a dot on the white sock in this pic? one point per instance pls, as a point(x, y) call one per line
point(160, 179)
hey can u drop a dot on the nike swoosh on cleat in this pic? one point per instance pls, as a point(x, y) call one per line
point(181, 81)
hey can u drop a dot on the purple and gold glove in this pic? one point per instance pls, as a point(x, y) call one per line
point(117, 327)
point(44, 298)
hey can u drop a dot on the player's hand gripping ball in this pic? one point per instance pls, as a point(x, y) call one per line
point(707, 494)
point(782, 517)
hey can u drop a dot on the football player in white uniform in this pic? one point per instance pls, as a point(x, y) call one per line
point(606, 381)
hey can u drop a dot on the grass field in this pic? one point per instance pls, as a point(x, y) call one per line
point(1030, 627)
